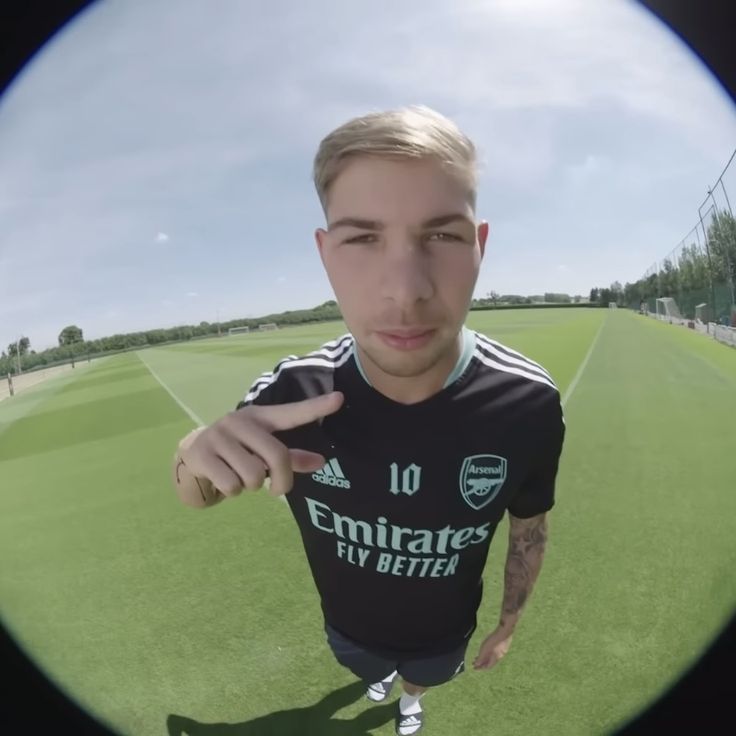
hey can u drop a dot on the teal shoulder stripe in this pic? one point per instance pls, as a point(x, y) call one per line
point(465, 357)
point(360, 366)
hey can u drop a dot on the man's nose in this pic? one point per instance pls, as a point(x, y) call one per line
point(407, 277)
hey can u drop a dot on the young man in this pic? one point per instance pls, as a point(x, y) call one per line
point(401, 444)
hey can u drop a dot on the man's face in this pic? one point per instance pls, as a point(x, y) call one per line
point(402, 252)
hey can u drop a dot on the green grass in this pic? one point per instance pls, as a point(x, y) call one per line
point(162, 619)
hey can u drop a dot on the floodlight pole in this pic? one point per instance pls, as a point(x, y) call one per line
point(17, 354)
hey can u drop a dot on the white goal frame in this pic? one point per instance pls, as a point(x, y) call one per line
point(238, 331)
point(667, 309)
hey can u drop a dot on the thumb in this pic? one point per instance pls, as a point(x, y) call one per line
point(303, 461)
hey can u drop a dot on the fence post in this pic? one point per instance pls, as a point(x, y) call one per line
point(10, 384)
point(729, 272)
point(710, 263)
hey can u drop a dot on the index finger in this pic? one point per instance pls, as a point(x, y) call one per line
point(288, 416)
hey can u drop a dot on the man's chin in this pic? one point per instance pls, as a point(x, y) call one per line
point(404, 363)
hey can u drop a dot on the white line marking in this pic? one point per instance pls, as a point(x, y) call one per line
point(576, 379)
point(188, 411)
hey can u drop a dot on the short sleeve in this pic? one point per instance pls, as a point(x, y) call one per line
point(267, 389)
point(537, 494)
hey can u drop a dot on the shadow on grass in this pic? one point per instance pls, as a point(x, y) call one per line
point(314, 720)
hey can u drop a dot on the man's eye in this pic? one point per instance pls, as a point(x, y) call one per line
point(444, 236)
point(365, 238)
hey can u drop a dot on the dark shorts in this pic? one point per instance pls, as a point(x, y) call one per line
point(372, 667)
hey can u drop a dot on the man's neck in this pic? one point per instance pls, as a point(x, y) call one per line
point(413, 389)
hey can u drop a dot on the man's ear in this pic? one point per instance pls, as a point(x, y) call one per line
point(320, 235)
point(483, 230)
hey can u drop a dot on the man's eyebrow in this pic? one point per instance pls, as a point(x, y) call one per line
point(447, 219)
point(356, 222)
point(362, 224)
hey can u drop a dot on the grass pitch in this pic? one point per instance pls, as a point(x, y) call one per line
point(160, 619)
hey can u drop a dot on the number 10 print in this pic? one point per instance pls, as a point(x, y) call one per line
point(410, 479)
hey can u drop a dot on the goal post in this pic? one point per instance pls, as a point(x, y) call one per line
point(238, 331)
point(667, 309)
point(703, 313)
point(612, 305)
point(268, 326)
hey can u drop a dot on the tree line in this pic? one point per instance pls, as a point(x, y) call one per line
point(695, 269)
point(493, 299)
point(73, 347)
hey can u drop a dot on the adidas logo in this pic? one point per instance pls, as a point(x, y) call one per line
point(331, 475)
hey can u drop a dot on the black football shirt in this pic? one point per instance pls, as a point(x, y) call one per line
point(397, 524)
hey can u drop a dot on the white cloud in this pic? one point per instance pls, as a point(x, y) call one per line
point(161, 237)
point(281, 280)
point(192, 294)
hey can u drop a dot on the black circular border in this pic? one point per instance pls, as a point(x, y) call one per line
point(701, 699)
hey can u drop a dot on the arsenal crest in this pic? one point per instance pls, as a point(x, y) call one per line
point(481, 478)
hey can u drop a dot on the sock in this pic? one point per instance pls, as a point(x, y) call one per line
point(409, 704)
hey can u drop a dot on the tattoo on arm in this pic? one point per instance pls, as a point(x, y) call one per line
point(527, 539)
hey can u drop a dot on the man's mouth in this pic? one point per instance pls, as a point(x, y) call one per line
point(406, 338)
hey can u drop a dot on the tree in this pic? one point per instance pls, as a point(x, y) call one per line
point(69, 335)
point(552, 298)
point(669, 281)
point(594, 295)
point(632, 294)
point(21, 346)
point(722, 243)
point(605, 297)
point(618, 292)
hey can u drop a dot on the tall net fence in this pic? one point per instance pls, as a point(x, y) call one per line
point(699, 274)
point(697, 278)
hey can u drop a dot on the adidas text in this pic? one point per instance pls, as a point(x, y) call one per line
point(330, 481)
point(331, 475)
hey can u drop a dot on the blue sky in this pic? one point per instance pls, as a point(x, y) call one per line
point(155, 158)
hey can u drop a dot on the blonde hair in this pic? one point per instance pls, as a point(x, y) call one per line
point(413, 132)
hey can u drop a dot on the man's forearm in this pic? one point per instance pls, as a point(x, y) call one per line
point(527, 539)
